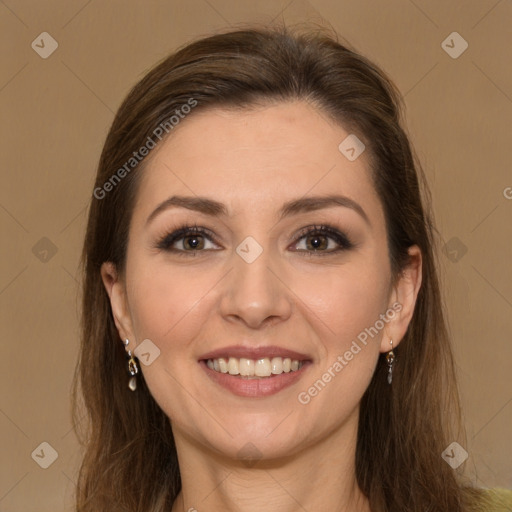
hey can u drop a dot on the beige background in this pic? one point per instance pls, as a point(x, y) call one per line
point(56, 113)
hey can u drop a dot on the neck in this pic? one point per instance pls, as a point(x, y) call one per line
point(319, 477)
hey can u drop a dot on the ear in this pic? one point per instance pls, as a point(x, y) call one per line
point(403, 300)
point(116, 290)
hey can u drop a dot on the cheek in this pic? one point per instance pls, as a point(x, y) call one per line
point(176, 307)
point(169, 306)
point(165, 300)
point(344, 310)
point(346, 300)
point(338, 302)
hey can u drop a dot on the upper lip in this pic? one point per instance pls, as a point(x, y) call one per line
point(255, 353)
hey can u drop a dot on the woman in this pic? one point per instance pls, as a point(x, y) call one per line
point(262, 323)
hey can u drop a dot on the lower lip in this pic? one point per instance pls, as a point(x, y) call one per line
point(255, 388)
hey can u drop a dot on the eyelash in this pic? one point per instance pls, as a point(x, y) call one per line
point(186, 230)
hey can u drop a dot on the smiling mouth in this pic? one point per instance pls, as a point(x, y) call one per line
point(254, 368)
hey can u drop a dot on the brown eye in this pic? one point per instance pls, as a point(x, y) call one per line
point(317, 242)
point(322, 240)
point(187, 239)
point(193, 241)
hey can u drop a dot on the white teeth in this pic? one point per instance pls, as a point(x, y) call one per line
point(233, 368)
point(262, 367)
point(248, 368)
point(223, 365)
point(276, 365)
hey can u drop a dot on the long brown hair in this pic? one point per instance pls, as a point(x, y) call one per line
point(130, 460)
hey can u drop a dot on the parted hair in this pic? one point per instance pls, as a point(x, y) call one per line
point(129, 456)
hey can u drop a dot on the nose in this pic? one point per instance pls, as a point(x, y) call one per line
point(255, 292)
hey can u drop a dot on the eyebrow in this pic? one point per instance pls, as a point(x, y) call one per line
point(214, 208)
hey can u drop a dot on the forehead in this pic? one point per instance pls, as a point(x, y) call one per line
point(256, 158)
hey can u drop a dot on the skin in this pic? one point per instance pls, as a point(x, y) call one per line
point(254, 161)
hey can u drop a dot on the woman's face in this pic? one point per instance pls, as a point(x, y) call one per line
point(303, 313)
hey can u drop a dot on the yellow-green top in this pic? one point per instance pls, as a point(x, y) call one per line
point(501, 500)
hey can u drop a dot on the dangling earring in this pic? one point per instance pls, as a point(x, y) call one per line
point(132, 368)
point(390, 358)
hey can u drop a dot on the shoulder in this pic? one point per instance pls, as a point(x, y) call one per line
point(500, 500)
